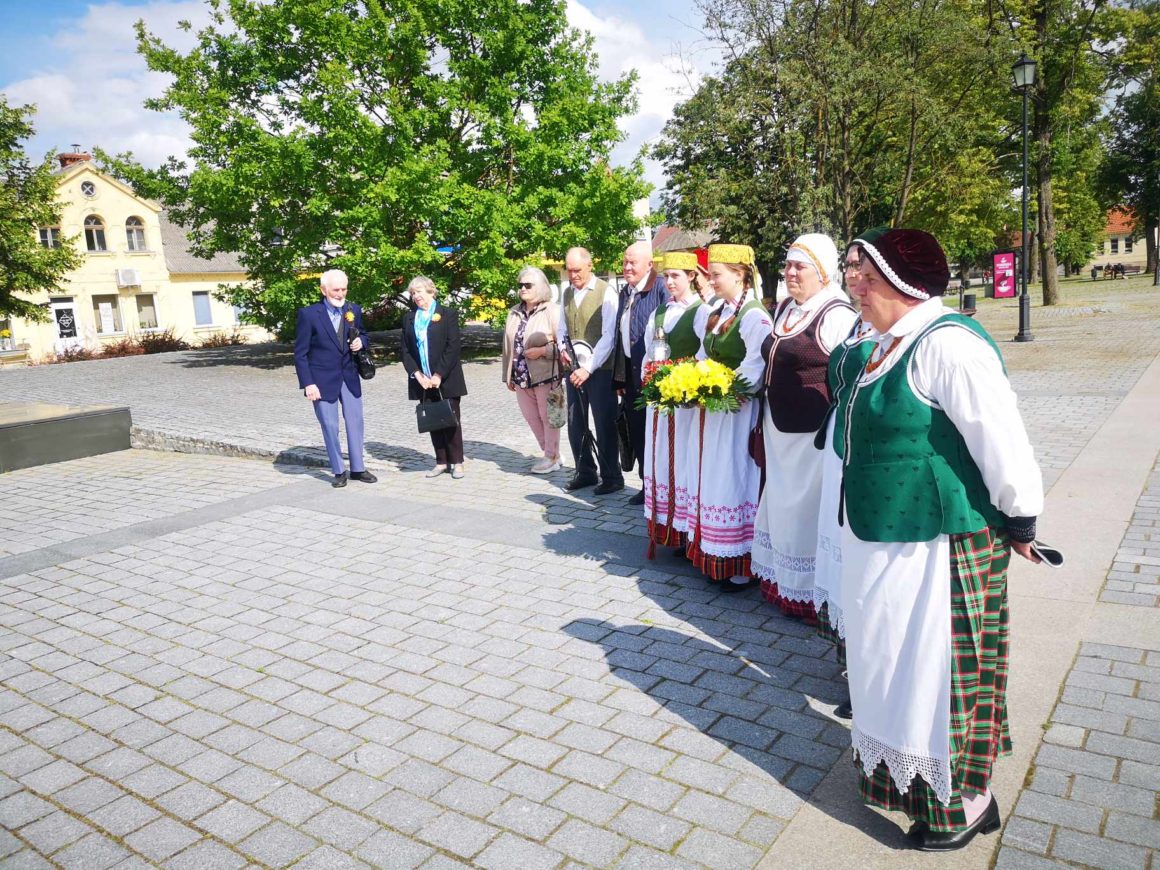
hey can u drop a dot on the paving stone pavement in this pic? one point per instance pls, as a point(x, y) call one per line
point(1092, 796)
point(213, 661)
point(1135, 576)
point(306, 680)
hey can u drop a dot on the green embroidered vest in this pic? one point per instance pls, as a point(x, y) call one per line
point(908, 474)
point(585, 323)
point(728, 347)
point(846, 364)
point(683, 341)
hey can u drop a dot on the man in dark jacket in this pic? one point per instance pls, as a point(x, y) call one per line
point(644, 290)
point(328, 335)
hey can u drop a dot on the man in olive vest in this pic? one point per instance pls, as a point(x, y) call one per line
point(588, 315)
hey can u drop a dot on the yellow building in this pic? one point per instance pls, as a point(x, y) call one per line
point(1122, 243)
point(138, 274)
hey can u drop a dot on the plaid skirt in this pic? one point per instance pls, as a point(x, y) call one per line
point(803, 610)
point(717, 568)
point(979, 661)
point(827, 631)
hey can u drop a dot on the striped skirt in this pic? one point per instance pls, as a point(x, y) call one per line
point(979, 661)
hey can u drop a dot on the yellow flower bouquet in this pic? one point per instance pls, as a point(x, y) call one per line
point(691, 383)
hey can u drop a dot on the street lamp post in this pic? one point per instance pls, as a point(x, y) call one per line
point(1024, 72)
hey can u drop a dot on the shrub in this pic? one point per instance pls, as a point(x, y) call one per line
point(122, 347)
point(79, 353)
point(161, 342)
point(223, 339)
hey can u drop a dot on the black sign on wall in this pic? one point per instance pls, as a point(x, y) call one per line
point(66, 323)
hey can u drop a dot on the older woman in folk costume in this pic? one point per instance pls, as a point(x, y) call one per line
point(810, 323)
point(940, 484)
point(845, 365)
point(723, 478)
point(666, 489)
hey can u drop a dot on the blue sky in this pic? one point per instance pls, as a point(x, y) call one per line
point(75, 59)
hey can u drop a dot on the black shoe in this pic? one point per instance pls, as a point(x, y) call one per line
point(339, 480)
point(679, 553)
point(844, 710)
point(728, 587)
point(947, 841)
point(578, 482)
point(638, 498)
point(364, 476)
point(605, 488)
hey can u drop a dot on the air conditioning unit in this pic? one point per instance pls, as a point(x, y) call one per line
point(128, 278)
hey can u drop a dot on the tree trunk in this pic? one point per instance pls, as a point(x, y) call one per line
point(908, 174)
point(1152, 266)
point(1043, 174)
point(1033, 250)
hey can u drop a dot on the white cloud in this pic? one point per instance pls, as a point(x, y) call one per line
point(664, 78)
point(91, 90)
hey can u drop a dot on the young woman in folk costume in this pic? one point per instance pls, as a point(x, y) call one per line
point(940, 484)
point(845, 365)
point(666, 491)
point(723, 478)
point(811, 322)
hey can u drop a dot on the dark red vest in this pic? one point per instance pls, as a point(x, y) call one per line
point(795, 374)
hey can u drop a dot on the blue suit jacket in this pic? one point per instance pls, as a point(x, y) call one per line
point(322, 356)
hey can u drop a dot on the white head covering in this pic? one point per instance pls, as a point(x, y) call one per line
point(820, 252)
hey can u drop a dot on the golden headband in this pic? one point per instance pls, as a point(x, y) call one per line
point(798, 246)
point(734, 255)
point(681, 260)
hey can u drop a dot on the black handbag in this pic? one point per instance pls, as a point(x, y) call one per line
point(436, 415)
point(365, 363)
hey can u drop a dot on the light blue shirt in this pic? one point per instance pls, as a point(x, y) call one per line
point(335, 315)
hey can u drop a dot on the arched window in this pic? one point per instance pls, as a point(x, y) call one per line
point(95, 234)
point(135, 233)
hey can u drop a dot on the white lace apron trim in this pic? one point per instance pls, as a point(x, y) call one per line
point(903, 766)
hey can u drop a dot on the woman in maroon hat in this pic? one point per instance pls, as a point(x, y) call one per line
point(939, 484)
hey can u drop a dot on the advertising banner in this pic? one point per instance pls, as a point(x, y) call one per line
point(1004, 274)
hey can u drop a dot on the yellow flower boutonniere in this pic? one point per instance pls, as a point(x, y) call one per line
point(349, 317)
point(436, 317)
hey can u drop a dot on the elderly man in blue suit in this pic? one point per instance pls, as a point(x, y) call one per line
point(328, 335)
point(643, 291)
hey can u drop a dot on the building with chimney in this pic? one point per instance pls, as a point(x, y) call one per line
point(138, 274)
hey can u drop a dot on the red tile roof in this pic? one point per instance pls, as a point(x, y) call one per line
point(1121, 222)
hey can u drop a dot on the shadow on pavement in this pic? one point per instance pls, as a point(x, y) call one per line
point(741, 673)
point(258, 356)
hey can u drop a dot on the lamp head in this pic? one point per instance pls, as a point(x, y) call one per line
point(1024, 72)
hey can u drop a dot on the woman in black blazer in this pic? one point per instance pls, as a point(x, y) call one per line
point(431, 358)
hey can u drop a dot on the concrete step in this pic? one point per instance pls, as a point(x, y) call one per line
point(35, 433)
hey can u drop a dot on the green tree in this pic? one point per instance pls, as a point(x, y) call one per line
point(27, 201)
point(1064, 37)
point(1131, 173)
point(392, 129)
point(841, 114)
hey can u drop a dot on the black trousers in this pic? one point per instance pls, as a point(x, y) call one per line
point(636, 422)
point(598, 397)
point(448, 443)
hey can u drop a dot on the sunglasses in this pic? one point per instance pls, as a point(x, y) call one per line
point(525, 285)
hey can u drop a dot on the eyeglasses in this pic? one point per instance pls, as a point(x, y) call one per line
point(853, 264)
point(525, 285)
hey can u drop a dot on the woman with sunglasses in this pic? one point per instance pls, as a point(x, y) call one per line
point(530, 366)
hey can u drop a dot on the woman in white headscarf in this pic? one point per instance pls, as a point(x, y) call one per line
point(811, 322)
